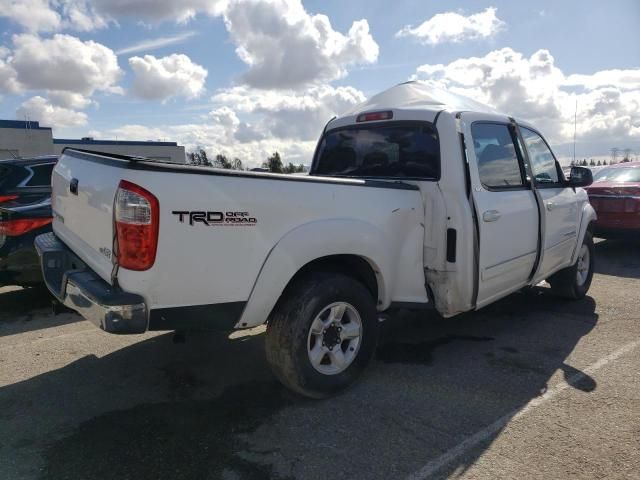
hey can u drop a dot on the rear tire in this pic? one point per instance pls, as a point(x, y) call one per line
point(573, 282)
point(322, 334)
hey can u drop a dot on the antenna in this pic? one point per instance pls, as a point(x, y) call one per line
point(575, 123)
point(27, 127)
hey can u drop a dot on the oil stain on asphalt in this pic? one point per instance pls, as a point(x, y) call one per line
point(175, 440)
point(422, 352)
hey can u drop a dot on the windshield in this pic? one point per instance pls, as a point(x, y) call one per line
point(407, 150)
point(618, 175)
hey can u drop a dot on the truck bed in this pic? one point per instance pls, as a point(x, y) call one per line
point(200, 264)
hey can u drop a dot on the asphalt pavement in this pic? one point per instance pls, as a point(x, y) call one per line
point(530, 387)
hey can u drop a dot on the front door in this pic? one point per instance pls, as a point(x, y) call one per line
point(506, 207)
point(560, 212)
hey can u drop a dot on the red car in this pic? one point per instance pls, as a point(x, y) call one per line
point(615, 196)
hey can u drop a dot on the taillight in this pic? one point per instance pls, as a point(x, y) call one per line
point(137, 218)
point(7, 198)
point(15, 228)
point(374, 116)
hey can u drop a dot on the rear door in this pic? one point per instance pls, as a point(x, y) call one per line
point(560, 212)
point(507, 212)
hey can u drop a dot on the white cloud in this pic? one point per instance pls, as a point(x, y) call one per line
point(290, 114)
point(80, 15)
point(251, 124)
point(155, 43)
point(68, 99)
point(622, 79)
point(8, 81)
point(64, 63)
point(52, 15)
point(159, 10)
point(455, 27)
point(286, 47)
point(34, 15)
point(281, 43)
point(166, 77)
point(40, 109)
point(226, 118)
point(535, 89)
point(213, 138)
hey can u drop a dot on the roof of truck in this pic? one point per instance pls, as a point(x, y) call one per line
point(420, 96)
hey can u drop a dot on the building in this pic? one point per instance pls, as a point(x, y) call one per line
point(24, 139)
point(28, 139)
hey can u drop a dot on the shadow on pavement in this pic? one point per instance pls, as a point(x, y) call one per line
point(620, 258)
point(211, 409)
point(23, 300)
point(26, 309)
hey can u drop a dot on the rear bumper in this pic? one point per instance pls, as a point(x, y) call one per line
point(618, 223)
point(612, 225)
point(78, 287)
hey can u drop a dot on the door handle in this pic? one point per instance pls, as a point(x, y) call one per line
point(550, 205)
point(491, 215)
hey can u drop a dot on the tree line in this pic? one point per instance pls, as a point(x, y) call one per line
point(272, 164)
point(593, 163)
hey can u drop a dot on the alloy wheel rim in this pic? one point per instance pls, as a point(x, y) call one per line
point(583, 265)
point(334, 338)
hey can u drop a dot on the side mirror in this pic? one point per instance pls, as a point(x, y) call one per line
point(580, 177)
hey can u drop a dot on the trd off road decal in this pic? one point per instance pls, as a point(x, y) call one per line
point(212, 219)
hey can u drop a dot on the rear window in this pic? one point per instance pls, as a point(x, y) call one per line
point(389, 151)
point(618, 175)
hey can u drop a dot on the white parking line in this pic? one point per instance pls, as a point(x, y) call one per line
point(450, 455)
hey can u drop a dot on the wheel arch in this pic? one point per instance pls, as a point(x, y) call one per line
point(349, 265)
point(351, 247)
point(588, 218)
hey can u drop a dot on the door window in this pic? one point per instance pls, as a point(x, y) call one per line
point(496, 156)
point(543, 163)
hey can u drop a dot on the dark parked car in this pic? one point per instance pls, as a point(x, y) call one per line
point(25, 213)
point(615, 196)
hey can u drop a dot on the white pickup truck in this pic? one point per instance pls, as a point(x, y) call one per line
point(415, 199)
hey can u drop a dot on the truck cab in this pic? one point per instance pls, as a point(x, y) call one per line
point(500, 213)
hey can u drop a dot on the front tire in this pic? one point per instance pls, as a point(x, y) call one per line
point(322, 334)
point(573, 282)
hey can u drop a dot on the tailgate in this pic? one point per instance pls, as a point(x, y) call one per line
point(83, 191)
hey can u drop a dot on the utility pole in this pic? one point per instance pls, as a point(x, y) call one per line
point(614, 155)
point(575, 123)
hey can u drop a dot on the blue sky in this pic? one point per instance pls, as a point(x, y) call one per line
point(60, 64)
